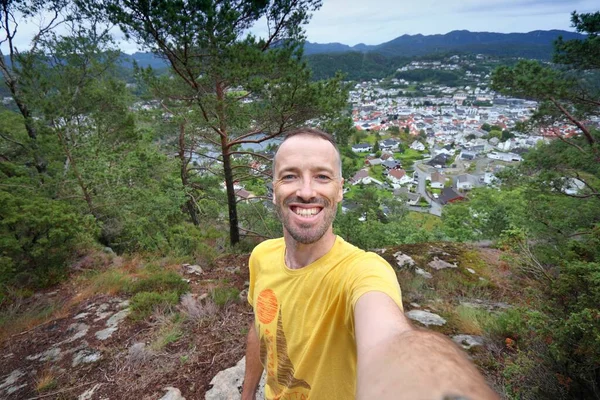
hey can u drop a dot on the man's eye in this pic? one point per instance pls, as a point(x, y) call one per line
point(288, 177)
point(322, 177)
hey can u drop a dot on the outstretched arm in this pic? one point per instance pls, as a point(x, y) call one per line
point(396, 360)
point(254, 368)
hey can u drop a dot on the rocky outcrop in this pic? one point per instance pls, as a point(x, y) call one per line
point(227, 384)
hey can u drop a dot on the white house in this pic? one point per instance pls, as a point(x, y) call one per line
point(398, 177)
point(508, 157)
point(389, 144)
point(437, 180)
point(465, 182)
point(363, 177)
point(362, 148)
point(418, 146)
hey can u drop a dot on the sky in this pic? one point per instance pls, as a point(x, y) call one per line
point(377, 21)
point(374, 22)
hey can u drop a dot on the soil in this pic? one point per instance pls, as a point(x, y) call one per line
point(189, 364)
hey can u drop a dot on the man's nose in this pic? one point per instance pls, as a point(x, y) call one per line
point(306, 191)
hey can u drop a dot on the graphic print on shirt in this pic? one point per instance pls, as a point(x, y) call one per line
point(274, 352)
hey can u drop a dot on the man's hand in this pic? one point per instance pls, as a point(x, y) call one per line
point(254, 367)
point(396, 360)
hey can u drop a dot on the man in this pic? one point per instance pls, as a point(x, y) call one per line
point(328, 316)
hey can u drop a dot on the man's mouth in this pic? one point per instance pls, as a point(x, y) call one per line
point(305, 212)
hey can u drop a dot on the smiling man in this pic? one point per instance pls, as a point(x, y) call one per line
point(328, 316)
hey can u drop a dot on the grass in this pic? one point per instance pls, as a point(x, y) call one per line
point(19, 317)
point(470, 321)
point(170, 331)
point(46, 381)
point(376, 171)
point(408, 157)
point(224, 295)
point(143, 304)
point(425, 221)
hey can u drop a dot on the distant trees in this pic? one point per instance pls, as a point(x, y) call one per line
point(245, 89)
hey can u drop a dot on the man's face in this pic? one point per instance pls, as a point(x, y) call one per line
point(307, 185)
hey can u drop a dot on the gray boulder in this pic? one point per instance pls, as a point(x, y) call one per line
point(425, 317)
point(227, 384)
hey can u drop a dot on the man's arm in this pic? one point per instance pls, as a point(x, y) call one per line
point(396, 360)
point(254, 368)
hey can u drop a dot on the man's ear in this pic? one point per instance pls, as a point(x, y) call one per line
point(341, 192)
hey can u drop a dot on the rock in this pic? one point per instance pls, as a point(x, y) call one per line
point(486, 305)
point(227, 384)
point(426, 318)
point(202, 296)
point(87, 395)
point(404, 260)
point(423, 273)
point(471, 270)
point(86, 356)
point(468, 341)
point(232, 270)
point(102, 312)
point(438, 264)
point(52, 354)
point(172, 394)
point(80, 330)
point(12, 379)
point(81, 315)
point(112, 324)
point(194, 270)
point(415, 305)
point(243, 295)
point(138, 353)
point(108, 250)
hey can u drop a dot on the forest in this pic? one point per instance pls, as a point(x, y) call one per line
point(90, 163)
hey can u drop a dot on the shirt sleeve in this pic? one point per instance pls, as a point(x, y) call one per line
point(372, 274)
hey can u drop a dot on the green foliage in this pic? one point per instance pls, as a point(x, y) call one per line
point(143, 304)
point(160, 282)
point(37, 238)
point(354, 65)
point(430, 75)
point(224, 295)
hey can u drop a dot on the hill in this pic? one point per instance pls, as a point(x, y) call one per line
point(112, 329)
point(362, 61)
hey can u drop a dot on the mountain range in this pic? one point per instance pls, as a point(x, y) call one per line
point(535, 44)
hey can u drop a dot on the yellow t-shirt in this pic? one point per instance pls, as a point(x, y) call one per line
point(305, 317)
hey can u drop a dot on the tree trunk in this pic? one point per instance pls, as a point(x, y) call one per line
point(41, 164)
point(86, 193)
point(234, 230)
point(190, 205)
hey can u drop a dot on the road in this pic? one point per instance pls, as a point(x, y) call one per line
point(422, 170)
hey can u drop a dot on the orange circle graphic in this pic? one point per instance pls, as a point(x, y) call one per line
point(266, 306)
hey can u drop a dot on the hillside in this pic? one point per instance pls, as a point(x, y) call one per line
point(535, 44)
point(93, 335)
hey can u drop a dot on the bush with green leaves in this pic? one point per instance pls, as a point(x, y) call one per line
point(143, 304)
point(160, 282)
point(225, 295)
point(37, 237)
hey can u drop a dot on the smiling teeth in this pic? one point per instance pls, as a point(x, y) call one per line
point(307, 212)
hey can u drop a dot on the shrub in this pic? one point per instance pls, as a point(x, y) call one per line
point(37, 237)
point(143, 304)
point(162, 281)
point(222, 296)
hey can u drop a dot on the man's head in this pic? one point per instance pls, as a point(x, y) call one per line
point(307, 184)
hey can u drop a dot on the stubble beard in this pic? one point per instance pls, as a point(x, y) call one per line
point(306, 233)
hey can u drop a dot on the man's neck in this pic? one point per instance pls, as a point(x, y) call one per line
point(298, 255)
